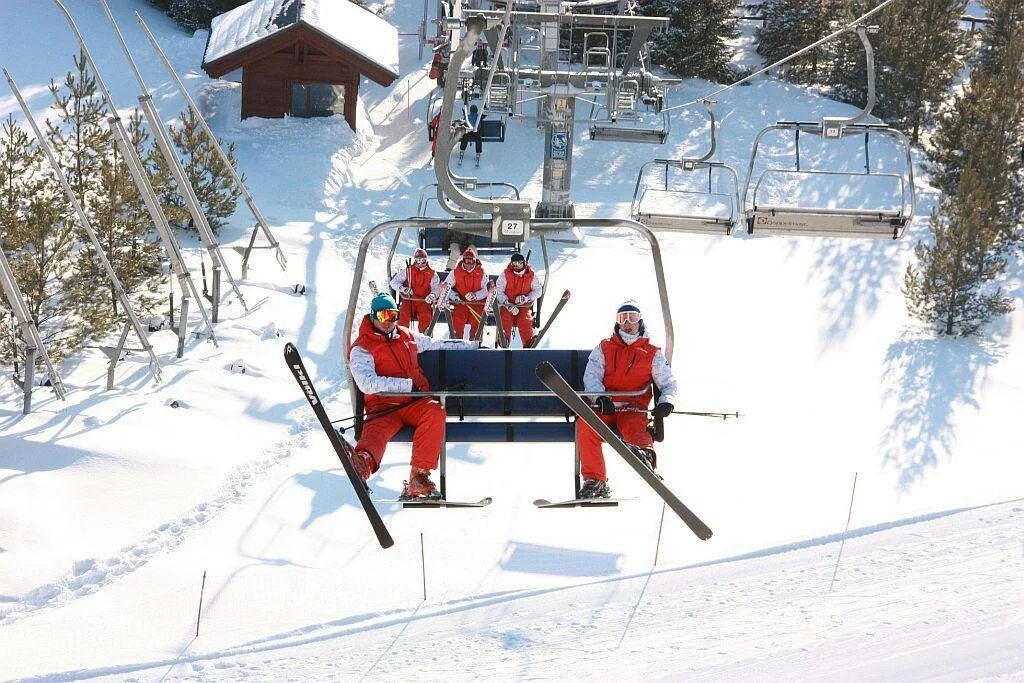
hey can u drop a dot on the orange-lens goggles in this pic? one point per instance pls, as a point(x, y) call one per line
point(388, 315)
point(628, 316)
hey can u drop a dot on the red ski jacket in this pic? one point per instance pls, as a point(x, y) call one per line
point(627, 367)
point(395, 357)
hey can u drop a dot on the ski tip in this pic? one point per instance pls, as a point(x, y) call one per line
point(289, 349)
point(542, 501)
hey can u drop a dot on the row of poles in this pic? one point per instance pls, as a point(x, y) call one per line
point(136, 168)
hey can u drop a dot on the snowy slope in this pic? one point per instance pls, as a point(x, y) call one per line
point(113, 505)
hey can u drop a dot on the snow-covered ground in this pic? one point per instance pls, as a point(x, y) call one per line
point(114, 505)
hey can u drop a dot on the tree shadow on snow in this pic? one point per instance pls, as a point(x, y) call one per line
point(927, 380)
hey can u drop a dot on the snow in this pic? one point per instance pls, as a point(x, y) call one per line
point(356, 28)
point(114, 505)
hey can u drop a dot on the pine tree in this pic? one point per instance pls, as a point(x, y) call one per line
point(695, 43)
point(913, 74)
point(209, 177)
point(186, 14)
point(81, 131)
point(19, 166)
point(41, 255)
point(125, 232)
point(19, 162)
point(1006, 21)
point(982, 127)
point(791, 25)
point(952, 285)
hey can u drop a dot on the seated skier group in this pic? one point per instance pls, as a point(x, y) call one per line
point(383, 359)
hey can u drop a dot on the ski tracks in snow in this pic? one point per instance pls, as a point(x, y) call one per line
point(88, 575)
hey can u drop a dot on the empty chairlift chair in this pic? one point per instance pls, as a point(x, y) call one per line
point(688, 207)
point(871, 218)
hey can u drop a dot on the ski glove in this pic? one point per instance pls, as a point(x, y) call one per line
point(406, 291)
point(430, 298)
point(514, 310)
point(470, 296)
point(521, 299)
point(663, 409)
point(604, 405)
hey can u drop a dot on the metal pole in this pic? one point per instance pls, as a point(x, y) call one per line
point(842, 544)
point(164, 144)
point(237, 179)
point(29, 331)
point(86, 225)
point(139, 176)
point(423, 566)
point(199, 612)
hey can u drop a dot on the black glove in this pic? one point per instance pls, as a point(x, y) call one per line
point(663, 409)
point(604, 405)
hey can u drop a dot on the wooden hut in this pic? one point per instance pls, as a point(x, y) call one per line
point(301, 57)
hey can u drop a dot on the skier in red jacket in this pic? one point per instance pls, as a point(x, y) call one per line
point(468, 292)
point(624, 362)
point(517, 288)
point(383, 359)
point(418, 284)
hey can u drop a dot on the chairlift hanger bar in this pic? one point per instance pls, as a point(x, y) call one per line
point(534, 19)
point(141, 180)
point(282, 261)
point(166, 148)
point(830, 37)
point(86, 225)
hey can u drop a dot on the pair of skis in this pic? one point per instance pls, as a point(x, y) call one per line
point(554, 381)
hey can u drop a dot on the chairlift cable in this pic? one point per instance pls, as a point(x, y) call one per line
point(832, 36)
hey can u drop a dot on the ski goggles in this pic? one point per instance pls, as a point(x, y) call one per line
point(628, 317)
point(388, 315)
point(420, 260)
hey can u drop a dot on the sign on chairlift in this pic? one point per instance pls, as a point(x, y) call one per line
point(832, 126)
point(559, 144)
point(510, 229)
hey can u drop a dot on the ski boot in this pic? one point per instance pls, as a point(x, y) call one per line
point(462, 153)
point(363, 463)
point(478, 161)
point(648, 457)
point(419, 486)
point(595, 488)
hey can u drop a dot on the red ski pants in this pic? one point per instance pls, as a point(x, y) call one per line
point(523, 322)
point(420, 310)
point(425, 416)
point(631, 425)
point(466, 314)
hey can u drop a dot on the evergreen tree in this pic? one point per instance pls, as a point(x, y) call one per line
point(982, 127)
point(913, 74)
point(952, 285)
point(19, 166)
point(19, 163)
point(41, 255)
point(695, 43)
point(1006, 21)
point(81, 131)
point(125, 232)
point(186, 14)
point(210, 179)
point(791, 25)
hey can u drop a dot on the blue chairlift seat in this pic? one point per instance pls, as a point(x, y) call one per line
point(543, 419)
point(492, 130)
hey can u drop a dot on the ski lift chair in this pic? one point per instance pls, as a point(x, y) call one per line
point(688, 210)
point(625, 124)
point(773, 217)
point(770, 216)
